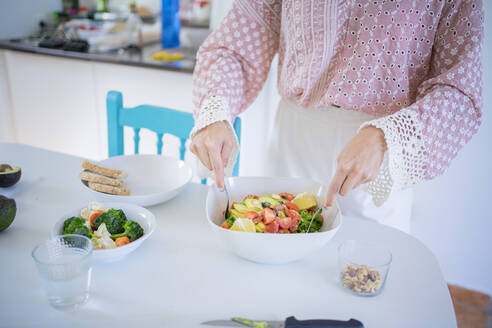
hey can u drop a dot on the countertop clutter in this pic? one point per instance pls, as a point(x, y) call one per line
point(182, 275)
point(120, 33)
point(141, 58)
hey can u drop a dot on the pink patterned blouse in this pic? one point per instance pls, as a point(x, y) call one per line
point(415, 65)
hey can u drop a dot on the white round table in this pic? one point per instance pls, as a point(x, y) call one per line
point(182, 275)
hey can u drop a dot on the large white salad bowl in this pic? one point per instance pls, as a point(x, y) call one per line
point(265, 247)
point(133, 212)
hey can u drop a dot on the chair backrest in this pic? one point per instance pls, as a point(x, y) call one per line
point(160, 120)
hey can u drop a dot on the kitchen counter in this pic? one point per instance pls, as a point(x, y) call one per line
point(123, 57)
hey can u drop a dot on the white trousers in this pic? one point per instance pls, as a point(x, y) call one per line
point(306, 143)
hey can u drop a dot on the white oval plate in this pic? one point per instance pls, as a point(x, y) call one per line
point(152, 179)
point(133, 212)
point(270, 248)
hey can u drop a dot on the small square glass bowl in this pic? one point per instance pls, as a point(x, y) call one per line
point(363, 267)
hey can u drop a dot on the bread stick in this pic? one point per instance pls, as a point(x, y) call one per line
point(103, 170)
point(92, 177)
point(109, 189)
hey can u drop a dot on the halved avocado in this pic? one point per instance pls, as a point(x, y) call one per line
point(253, 204)
point(241, 207)
point(7, 212)
point(9, 175)
point(236, 214)
point(267, 201)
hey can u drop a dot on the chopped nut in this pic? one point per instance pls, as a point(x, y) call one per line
point(361, 279)
point(374, 275)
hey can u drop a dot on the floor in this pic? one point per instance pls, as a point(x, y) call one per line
point(473, 309)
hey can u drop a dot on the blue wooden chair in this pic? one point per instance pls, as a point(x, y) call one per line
point(157, 119)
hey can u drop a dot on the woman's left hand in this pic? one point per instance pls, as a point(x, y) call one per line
point(358, 162)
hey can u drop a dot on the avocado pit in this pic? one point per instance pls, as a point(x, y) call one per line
point(4, 168)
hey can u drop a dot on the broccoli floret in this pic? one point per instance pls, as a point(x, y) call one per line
point(306, 220)
point(114, 219)
point(71, 224)
point(84, 231)
point(76, 225)
point(133, 231)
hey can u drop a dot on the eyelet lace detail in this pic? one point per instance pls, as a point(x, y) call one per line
point(213, 110)
point(405, 160)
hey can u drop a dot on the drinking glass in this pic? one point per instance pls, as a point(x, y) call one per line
point(64, 265)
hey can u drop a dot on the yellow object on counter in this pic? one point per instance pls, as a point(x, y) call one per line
point(165, 56)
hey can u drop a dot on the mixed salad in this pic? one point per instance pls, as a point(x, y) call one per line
point(107, 228)
point(276, 213)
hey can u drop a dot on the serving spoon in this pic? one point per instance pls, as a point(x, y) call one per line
point(312, 218)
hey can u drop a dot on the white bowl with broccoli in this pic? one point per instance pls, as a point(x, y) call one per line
point(116, 229)
point(271, 248)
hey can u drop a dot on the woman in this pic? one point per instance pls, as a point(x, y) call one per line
point(375, 93)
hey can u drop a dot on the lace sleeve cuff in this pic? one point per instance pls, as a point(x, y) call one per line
point(214, 110)
point(405, 160)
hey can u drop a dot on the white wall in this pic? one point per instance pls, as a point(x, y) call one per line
point(21, 17)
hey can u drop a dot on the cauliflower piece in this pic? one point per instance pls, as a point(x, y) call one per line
point(102, 238)
point(86, 212)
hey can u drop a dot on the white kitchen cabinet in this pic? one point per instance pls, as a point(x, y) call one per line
point(60, 104)
point(53, 103)
point(7, 131)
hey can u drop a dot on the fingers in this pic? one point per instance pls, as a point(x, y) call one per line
point(334, 188)
point(202, 154)
point(217, 166)
point(358, 162)
point(353, 177)
point(211, 157)
point(352, 181)
point(226, 152)
point(212, 145)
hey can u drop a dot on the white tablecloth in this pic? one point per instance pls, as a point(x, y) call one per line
point(182, 275)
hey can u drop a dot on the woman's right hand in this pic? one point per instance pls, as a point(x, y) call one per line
point(213, 146)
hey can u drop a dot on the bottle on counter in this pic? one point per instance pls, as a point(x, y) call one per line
point(171, 23)
point(134, 27)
